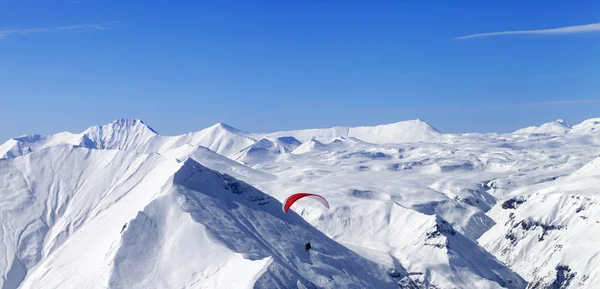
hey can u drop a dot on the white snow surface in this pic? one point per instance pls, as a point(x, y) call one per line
point(120, 206)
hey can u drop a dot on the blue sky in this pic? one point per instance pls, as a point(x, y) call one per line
point(275, 65)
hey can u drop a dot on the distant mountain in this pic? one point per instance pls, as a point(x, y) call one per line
point(120, 134)
point(555, 127)
point(221, 138)
point(132, 135)
point(136, 136)
point(590, 125)
point(400, 132)
point(308, 146)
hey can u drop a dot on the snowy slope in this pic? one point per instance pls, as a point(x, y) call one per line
point(64, 207)
point(49, 195)
point(26, 144)
point(218, 162)
point(550, 233)
point(430, 249)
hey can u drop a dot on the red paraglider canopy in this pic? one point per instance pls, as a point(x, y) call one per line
point(293, 198)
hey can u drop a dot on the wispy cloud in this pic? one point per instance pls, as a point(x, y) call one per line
point(595, 27)
point(7, 32)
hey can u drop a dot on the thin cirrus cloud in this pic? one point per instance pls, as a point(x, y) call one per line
point(7, 32)
point(588, 28)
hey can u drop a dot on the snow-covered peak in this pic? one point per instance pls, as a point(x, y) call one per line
point(288, 142)
point(123, 125)
point(122, 134)
point(308, 146)
point(222, 139)
point(137, 123)
point(399, 132)
point(556, 127)
point(263, 150)
point(223, 126)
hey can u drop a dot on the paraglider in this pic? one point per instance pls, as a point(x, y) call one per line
point(295, 197)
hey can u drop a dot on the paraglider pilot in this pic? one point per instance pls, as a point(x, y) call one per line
point(293, 198)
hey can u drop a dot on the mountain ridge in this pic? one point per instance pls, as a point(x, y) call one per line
point(193, 207)
point(135, 134)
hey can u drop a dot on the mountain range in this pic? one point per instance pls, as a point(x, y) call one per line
point(121, 206)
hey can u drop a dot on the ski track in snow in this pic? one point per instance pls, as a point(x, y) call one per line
point(411, 207)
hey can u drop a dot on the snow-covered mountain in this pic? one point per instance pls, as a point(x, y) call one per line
point(555, 127)
point(121, 206)
point(49, 196)
point(400, 132)
point(120, 134)
point(590, 125)
point(308, 146)
point(80, 218)
point(266, 149)
point(136, 136)
point(549, 233)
